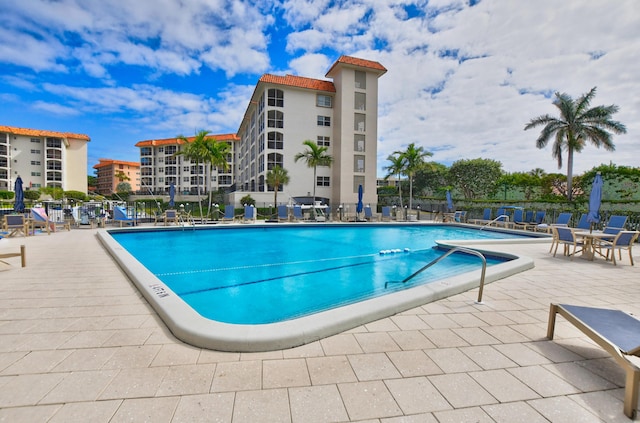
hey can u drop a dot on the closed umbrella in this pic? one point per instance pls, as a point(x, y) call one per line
point(172, 194)
point(18, 205)
point(595, 198)
point(359, 206)
point(449, 201)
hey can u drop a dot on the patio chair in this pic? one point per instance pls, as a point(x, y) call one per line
point(567, 237)
point(616, 221)
point(39, 219)
point(283, 213)
point(583, 223)
point(368, 214)
point(519, 221)
point(624, 240)
point(120, 216)
point(562, 220)
point(249, 214)
point(386, 213)
point(229, 214)
point(297, 213)
point(15, 224)
point(539, 218)
point(170, 216)
point(613, 330)
point(486, 218)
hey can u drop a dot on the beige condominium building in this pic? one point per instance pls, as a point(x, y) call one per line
point(43, 158)
point(110, 173)
point(160, 166)
point(341, 114)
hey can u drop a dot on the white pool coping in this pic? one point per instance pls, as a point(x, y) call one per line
point(189, 326)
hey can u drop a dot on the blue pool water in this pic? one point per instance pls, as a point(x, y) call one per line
point(258, 275)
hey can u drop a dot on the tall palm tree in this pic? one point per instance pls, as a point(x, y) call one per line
point(196, 152)
point(276, 177)
point(396, 168)
point(314, 156)
point(576, 125)
point(413, 161)
point(215, 154)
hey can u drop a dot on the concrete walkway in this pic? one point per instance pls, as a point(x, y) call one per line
point(78, 343)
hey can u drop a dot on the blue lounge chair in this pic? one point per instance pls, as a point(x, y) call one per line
point(529, 216)
point(617, 222)
point(120, 215)
point(229, 213)
point(368, 214)
point(283, 213)
point(501, 217)
point(297, 213)
point(486, 217)
point(519, 220)
point(583, 223)
point(624, 240)
point(386, 213)
point(562, 220)
point(249, 214)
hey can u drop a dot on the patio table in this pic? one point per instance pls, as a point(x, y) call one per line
point(591, 238)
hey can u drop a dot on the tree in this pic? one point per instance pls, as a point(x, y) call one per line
point(476, 178)
point(396, 168)
point(277, 177)
point(195, 151)
point(413, 159)
point(314, 156)
point(576, 125)
point(431, 179)
point(215, 154)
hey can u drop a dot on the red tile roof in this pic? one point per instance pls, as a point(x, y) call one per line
point(173, 141)
point(354, 61)
point(299, 81)
point(109, 162)
point(42, 133)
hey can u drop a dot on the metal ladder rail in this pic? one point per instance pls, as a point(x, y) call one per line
point(448, 253)
point(189, 220)
point(495, 220)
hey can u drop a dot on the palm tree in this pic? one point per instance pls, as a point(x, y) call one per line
point(413, 158)
point(276, 177)
point(215, 154)
point(576, 125)
point(396, 168)
point(314, 156)
point(195, 151)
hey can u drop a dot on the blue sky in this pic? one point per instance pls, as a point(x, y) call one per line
point(463, 79)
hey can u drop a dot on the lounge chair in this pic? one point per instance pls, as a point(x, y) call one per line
point(249, 214)
point(583, 223)
point(15, 224)
point(120, 216)
point(502, 219)
point(616, 332)
point(624, 240)
point(283, 213)
point(486, 218)
point(297, 213)
point(386, 213)
point(562, 220)
point(39, 219)
point(170, 216)
point(368, 214)
point(567, 237)
point(519, 221)
point(540, 216)
point(616, 222)
point(229, 213)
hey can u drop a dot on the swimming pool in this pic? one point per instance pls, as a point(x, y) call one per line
point(261, 277)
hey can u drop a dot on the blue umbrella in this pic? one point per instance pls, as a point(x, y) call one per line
point(449, 201)
point(18, 205)
point(172, 194)
point(594, 200)
point(359, 206)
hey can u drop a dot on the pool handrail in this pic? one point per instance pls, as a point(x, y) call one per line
point(497, 219)
point(449, 252)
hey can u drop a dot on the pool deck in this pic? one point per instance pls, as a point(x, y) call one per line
point(79, 343)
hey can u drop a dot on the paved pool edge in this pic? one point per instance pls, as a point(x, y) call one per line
point(187, 325)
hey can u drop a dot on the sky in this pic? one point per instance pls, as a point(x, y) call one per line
point(464, 77)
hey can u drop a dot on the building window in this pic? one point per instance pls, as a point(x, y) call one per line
point(360, 102)
point(361, 80)
point(357, 181)
point(274, 159)
point(324, 141)
point(35, 162)
point(35, 140)
point(36, 174)
point(324, 121)
point(275, 119)
point(275, 140)
point(358, 164)
point(275, 97)
point(171, 149)
point(359, 122)
point(323, 181)
point(358, 142)
point(323, 100)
